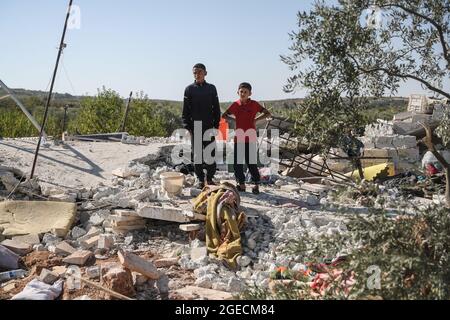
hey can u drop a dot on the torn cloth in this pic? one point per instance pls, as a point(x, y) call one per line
point(224, 221)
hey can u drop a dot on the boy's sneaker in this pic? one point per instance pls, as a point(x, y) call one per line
point(240, 189)
point(255, 190)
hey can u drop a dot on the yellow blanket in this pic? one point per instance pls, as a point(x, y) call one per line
point(224, 221)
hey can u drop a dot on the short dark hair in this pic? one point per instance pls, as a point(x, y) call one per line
point(200, 66)
point(245, 85)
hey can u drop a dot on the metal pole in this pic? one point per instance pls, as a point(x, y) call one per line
point(21, 106)
point(62, 45)
point(127, 109)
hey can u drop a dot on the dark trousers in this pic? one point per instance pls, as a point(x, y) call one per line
point(198, 159)
point(246, 153)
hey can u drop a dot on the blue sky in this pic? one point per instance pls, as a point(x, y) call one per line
point(151, 45)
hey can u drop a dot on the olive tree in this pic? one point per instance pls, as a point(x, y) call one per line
point(354, 49)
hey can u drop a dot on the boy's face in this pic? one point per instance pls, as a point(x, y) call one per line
point(244, 94)
point(199, 74)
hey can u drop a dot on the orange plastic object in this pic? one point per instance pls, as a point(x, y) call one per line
point(223, 130)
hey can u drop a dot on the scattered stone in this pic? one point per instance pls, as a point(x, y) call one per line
point(166, 262)
point(93, 272)
point(64, 249)
point(39, 248)
point(17, 247)
point(105, 241)
point(48, 277)
point(90, 243)
point(50, 239)
point(8, 259)
point(199, 253)
point(138, 279)
point(120, 280)
point(93, 232)
point(234, 285)
point(84, 297)
point(198, 293)
point(78, 258)
point(312, 200)
point(244, 261)
point(165, 214)
point(190, 227)
point(78, 232)
point(163, 284)
point(251, 244)
point(138, 264)
point(59, 270)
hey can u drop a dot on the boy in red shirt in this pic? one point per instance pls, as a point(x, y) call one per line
point(245, 141)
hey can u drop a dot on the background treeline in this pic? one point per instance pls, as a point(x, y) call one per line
point(104, 112)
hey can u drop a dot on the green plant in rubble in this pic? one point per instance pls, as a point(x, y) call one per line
point(412, 253)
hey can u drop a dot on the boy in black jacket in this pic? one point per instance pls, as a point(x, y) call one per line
point(201, 105)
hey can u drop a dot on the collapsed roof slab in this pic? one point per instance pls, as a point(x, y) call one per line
point(35, 217)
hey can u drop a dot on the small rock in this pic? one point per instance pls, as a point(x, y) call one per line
point(234, 285)
point(78, 232)
point(312, 200)
point(243, 261)
point(48, 276)
point(93, 272)
point(251, 244)
point(163, 284)
point(50, 239)
point(138, 279)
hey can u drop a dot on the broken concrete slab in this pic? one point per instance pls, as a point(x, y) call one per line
point(191, 292)
point(163, 213)
point(79, 257)
point(31, 239)
point(17, 247)
point(64, 248)
point(93, 232)
point(28, 217)
point(90, 243)
point(78, 232)
point(125, 213)
point(138, 264)
point(190, 227)
point(8, 259)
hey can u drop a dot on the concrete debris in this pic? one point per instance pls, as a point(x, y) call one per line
point(18, 247)
point(120, 280)
point(8, 259)
point(48, 277)
point(64, 249)
point(31, 239)
point(166, 262)
point(77, 232)
point(197, 293)
point(138, 264)
point(35, 217)
point(79, 257)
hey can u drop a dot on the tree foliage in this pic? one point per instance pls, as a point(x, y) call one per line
point(340, 58)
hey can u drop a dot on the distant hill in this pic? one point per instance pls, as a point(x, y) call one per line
point(381, 107)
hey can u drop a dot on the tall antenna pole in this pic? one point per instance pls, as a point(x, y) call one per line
point(127, 109)
point(62, 45)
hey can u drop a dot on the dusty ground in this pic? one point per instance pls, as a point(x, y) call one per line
point(73, 164)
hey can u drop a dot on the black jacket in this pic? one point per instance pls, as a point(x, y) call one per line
point(201, 103)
